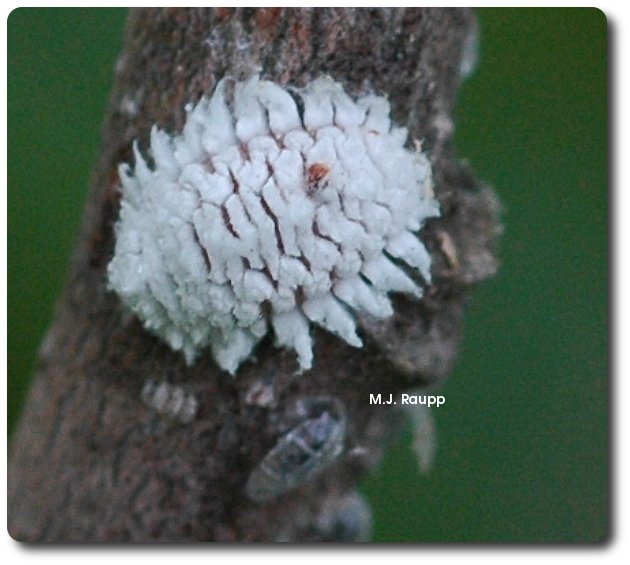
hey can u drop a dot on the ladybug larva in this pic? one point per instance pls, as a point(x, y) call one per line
point(273, 210)
point(300, 454)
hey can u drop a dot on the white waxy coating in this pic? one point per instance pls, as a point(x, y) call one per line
point(170, 400)
point(268, 213)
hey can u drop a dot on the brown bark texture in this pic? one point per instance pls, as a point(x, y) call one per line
point(89, 461)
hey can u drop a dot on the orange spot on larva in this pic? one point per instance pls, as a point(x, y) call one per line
point(316, 173)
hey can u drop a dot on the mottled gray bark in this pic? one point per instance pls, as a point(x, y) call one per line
point(89, 461)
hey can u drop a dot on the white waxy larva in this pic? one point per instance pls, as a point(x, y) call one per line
point(169, 400)
point(276, 210)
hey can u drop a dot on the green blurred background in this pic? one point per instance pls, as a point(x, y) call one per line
point(523, 441)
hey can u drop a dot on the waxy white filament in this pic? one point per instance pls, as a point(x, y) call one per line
point(280, 208)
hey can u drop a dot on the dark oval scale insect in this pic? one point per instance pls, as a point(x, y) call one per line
point(299, 455)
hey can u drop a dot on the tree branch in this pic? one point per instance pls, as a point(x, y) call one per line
point(90, 460)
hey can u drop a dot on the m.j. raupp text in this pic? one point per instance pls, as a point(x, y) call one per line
point(423, 399)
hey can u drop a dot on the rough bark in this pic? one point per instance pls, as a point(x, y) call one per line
point(89, 461)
